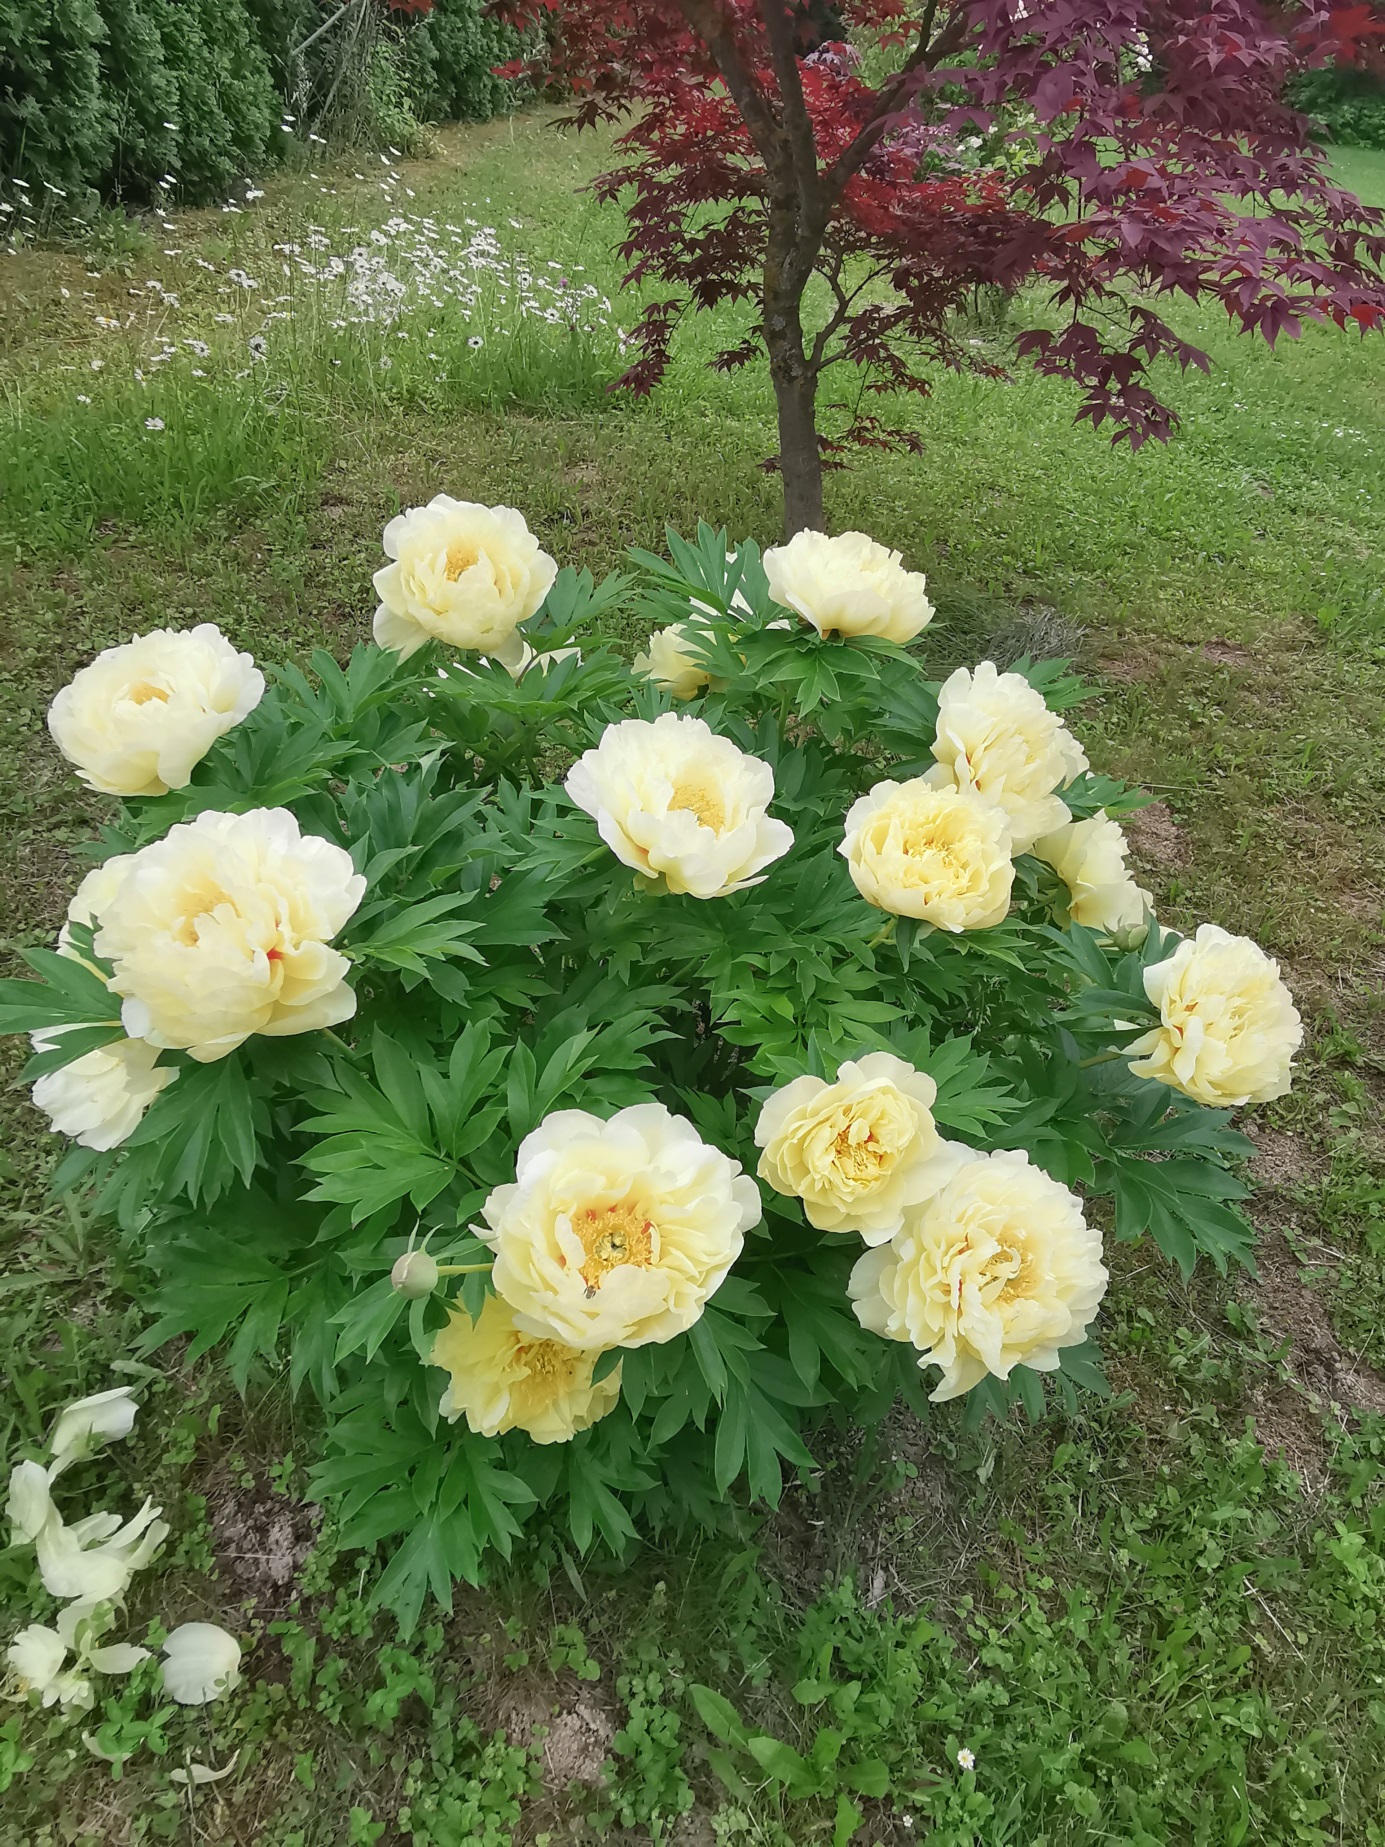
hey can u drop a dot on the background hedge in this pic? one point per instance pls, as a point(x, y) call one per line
point(1349, 105)
point(113, 98)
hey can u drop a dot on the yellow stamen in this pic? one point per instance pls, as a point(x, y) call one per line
point(699, 800)
point(613, 1235)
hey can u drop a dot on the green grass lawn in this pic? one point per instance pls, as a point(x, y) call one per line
point(1162, 1621)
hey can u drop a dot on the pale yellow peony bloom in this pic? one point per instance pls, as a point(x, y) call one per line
point(223, 929)
point(502, 1379)
point(142, 716)
point(100, 1098)
point(1089, 857)
point(1228, 1026)
point(857, 1152)
point(997, 736)
point(670, 662)
point(999, 1269)
point(462, 574)
point(91, 898)
point(615, 1234)
point(848, 585)
point(942, 855)
point(679, 803)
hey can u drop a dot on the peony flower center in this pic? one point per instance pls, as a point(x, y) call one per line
point(1003, 1275)
point(699, 800)
point(857, 1153)
point(546, 1360)
point(144, 692)
point(613, 1235)
point(462, 554)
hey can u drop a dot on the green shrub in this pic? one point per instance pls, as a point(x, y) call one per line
point(89, 88)
point(281, 26)
point(228, 111)
point(55, 118)
point(143, 97)
point(465, 47)
point(387, 113)
point(1349, 105)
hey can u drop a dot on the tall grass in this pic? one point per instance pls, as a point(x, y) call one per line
point(227, 390)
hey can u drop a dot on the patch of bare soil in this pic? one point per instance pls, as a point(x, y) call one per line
point(1156, 840)
point(1129, 667)
point(1286, 1425)
point(1227, 654)
point(1290, 1311)
point(576, 1726)
point(261, 1539)
point(1281, 1160)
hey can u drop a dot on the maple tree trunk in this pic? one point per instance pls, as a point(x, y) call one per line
point(800, 459)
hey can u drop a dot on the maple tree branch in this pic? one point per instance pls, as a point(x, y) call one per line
point(705, 22)
point(843, 308)
point(928, 52)
point(797, 122)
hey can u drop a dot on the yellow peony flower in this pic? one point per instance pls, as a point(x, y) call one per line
point(100, 1098)
point(142, 716)
point(999, 1269)
point(997, 736)
point(615, 1234)
point(504, 1380)
point(1228, 1026)
point(91, 898)
point(463, 574)
point(942, 855)
point(671, 664)
point(223, 929)
point(857, 1152)
point(1089, 857)
point(848, 585)
point(677, 802)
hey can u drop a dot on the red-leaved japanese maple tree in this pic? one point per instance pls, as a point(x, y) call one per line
point(1101, 155)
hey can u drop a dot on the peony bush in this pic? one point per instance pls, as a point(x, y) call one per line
point(594, 1082)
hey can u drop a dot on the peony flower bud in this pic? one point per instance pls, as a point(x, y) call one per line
point(415, 1275)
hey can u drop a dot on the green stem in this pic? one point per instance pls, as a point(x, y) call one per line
point(462, 1269)
point(1099, 1058)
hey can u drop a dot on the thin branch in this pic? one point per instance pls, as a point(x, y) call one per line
point(928, 52)
point(705, 22)
point(327, 25)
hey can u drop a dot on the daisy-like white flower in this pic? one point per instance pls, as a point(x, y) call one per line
point(966, 1758)
point(153, 423)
